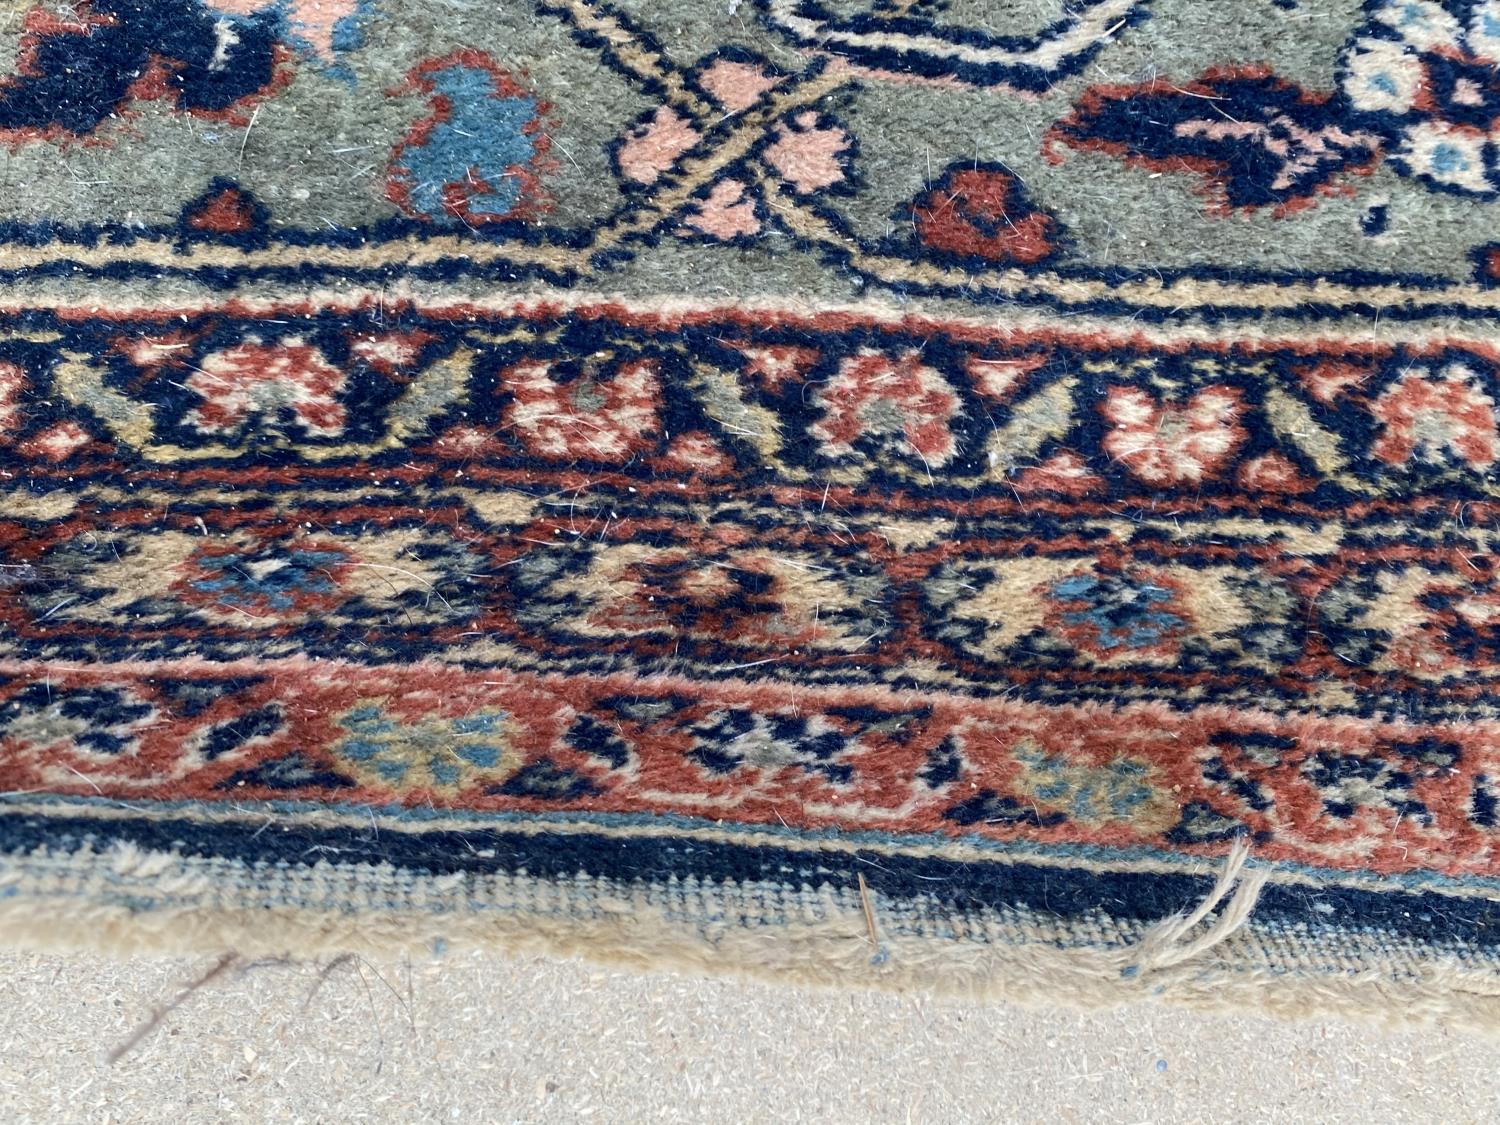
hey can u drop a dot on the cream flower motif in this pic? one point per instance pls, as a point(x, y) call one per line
point(255, 380)
point(878, 397)
point(1173, 443)
point(1426, 74)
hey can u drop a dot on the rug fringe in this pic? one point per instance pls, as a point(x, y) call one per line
point(1163, 947)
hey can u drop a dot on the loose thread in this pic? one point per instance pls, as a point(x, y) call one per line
point(1163, 945)
point(160, 1013)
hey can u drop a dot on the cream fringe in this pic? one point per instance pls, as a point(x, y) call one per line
point(1162, 948)
point(1224, 968)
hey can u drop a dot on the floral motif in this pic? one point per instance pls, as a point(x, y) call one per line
point(1432, 621)
point(810, 152)
point(1117, 790)
point(654, 145)
point(266, 579)
point(1017, 778)
point(1173, 443)
point(440, 754)
point(1109, 613)
point(1426, 73)
point(1381, 781)
point(1255, 139)
point(772, 746)
point(1042, 610)
point(1433, 417)
point(255, 382)
point(261, 580)
point(727, 212)
point(571, 412)
point(479, 154)
point(879, 396)
point(1457, 622)
point(697, 588)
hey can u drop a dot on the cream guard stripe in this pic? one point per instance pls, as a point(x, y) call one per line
point(1180, 295)
point(1088, 28)
point(540, 301)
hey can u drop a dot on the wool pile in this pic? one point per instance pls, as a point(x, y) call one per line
point(994, 497)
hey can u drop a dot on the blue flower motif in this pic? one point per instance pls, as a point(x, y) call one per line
point(475, 157)
point(444, 754)
point(1427, 77)
point(1091, 794)
point(1117, 613)
point(274, 580)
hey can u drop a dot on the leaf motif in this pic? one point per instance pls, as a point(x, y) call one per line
point(1046, 415)
point(742, 418)
point(1256, 140)
point(1291, 418)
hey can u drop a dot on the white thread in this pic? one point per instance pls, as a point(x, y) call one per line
point(1163, 944)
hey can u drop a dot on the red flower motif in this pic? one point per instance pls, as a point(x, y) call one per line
point(586, 418)
point(981, 212)
point(1426, 417)
point(257, 378)
point(1170, 443)
point(876, 394)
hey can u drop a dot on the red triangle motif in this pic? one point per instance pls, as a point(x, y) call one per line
point(997, 379)
point(1065, 472)
point(225, 212)
point(696, 454)
point(775, 364)
point(1271, 472)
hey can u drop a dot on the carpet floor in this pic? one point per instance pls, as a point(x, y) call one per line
point(474, 1037)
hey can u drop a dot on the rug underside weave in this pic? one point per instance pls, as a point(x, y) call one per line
point(995, 496)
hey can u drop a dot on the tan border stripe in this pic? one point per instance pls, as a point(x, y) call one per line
point(114, 301)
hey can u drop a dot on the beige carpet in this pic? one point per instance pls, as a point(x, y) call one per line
point(478, 1039)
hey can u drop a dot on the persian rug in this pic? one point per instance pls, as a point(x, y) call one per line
point(995, 496)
